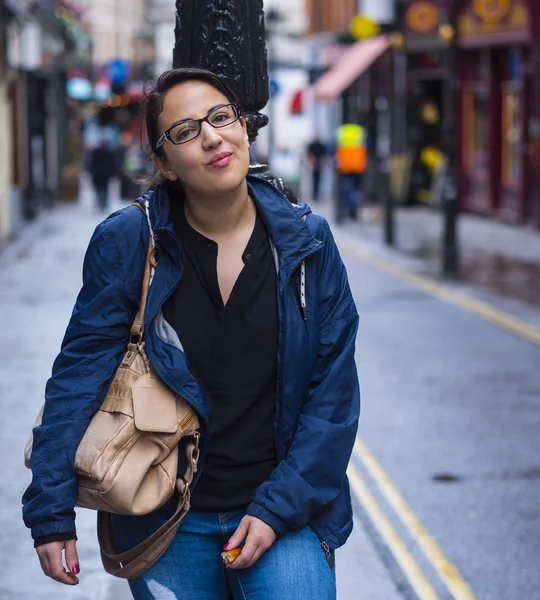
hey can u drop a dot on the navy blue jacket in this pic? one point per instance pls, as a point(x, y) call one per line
point(317, 402)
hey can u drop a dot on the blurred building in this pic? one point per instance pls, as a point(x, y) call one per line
point(161, 14)
point(327, 16)
point(38, 44)
point(121, 61)
point(281, 143)
point(497, 103)
point(121, 52)
point(351, 69)
point(467, 66)
point(120, 30)
point(499, 108)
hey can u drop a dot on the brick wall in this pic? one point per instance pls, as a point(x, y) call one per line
point(330, 15)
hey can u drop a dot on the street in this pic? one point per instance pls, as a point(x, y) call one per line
point(451, 410)
point(414, 128)
point(450, 413)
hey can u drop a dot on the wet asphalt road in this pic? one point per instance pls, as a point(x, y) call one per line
point(451, 408)
point(445, 396)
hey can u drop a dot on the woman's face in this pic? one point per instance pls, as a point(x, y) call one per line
point(194, 162)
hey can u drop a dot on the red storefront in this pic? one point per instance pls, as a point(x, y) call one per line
point(499, 109)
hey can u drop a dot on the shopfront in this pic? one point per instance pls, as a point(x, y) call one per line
point(425, 49)
point(499, 111)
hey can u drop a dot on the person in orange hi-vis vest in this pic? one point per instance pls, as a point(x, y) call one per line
point(351, 163)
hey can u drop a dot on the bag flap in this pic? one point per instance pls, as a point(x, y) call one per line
point(154, 405)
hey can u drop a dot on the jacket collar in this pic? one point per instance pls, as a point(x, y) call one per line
point(283, 220)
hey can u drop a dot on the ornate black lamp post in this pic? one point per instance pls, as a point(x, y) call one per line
point(450, 201)
point(227, 37)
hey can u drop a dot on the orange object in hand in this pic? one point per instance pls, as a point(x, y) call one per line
point(230, 556)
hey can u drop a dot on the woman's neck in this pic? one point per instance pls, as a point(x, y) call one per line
point(219, 215)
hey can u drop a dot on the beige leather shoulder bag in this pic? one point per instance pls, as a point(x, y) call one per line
point(128, 457)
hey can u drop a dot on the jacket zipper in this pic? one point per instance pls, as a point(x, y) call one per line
point(281, 351)
point(324, 545)
point(327, 550)
point(329, 556)
point(279, 390)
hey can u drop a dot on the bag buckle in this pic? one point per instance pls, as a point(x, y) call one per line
point(186, 487)
point(137, 338)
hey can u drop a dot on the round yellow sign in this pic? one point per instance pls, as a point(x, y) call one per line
point(492, 11)
point(364, 28)
point(422, 17)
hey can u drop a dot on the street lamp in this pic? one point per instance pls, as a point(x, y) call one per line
point(450, 203)
point(227, 38)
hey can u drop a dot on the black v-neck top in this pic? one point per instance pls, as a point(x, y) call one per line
point(232, 352)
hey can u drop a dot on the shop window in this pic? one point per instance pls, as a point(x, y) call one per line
point(511, 136)
point(475, 132)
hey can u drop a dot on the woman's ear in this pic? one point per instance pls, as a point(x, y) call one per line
point(159, 163)
point(163, 168)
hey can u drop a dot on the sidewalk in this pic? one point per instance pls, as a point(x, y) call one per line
point(40, 275)
point(499, 263)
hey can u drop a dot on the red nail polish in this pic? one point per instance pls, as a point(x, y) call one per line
point(75, 569)
point(227, 545)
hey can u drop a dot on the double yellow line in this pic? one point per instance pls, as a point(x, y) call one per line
point(500, 318)
point(447, 572)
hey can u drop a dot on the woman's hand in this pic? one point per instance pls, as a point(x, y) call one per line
point(50, 557)
point(258, 537)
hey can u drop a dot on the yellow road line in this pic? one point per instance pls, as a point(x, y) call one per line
point(442, 292)
point(445, 569)
point(396, 545)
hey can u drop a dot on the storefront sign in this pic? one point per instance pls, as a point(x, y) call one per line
point(492, 11)
point(422, 17)
point(364, 28)
point(484, 22)
point(421, 24)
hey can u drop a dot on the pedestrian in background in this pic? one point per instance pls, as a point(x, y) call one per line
point(316, 154)
point(250, 318)
point(351, 164)
point(102, 166)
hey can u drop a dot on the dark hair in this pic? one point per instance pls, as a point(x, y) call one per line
point(154, 97)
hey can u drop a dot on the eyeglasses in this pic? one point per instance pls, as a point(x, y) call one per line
point(188, 130)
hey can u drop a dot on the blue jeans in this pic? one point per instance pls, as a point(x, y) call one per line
point(294, 568)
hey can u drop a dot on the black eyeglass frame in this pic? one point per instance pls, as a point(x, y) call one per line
point(167, 134)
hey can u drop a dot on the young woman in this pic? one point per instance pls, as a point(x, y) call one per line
point(250, 318)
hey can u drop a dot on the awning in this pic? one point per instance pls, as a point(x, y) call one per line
point(359, 57)
point(330, 54)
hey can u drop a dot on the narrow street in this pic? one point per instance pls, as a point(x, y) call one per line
point(450, 412)
point(415, 125)
point(40, 275)
point(451, 409)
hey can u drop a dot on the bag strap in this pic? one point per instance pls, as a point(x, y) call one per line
point(137, 329)
point(137, 560)
point(134, 562)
